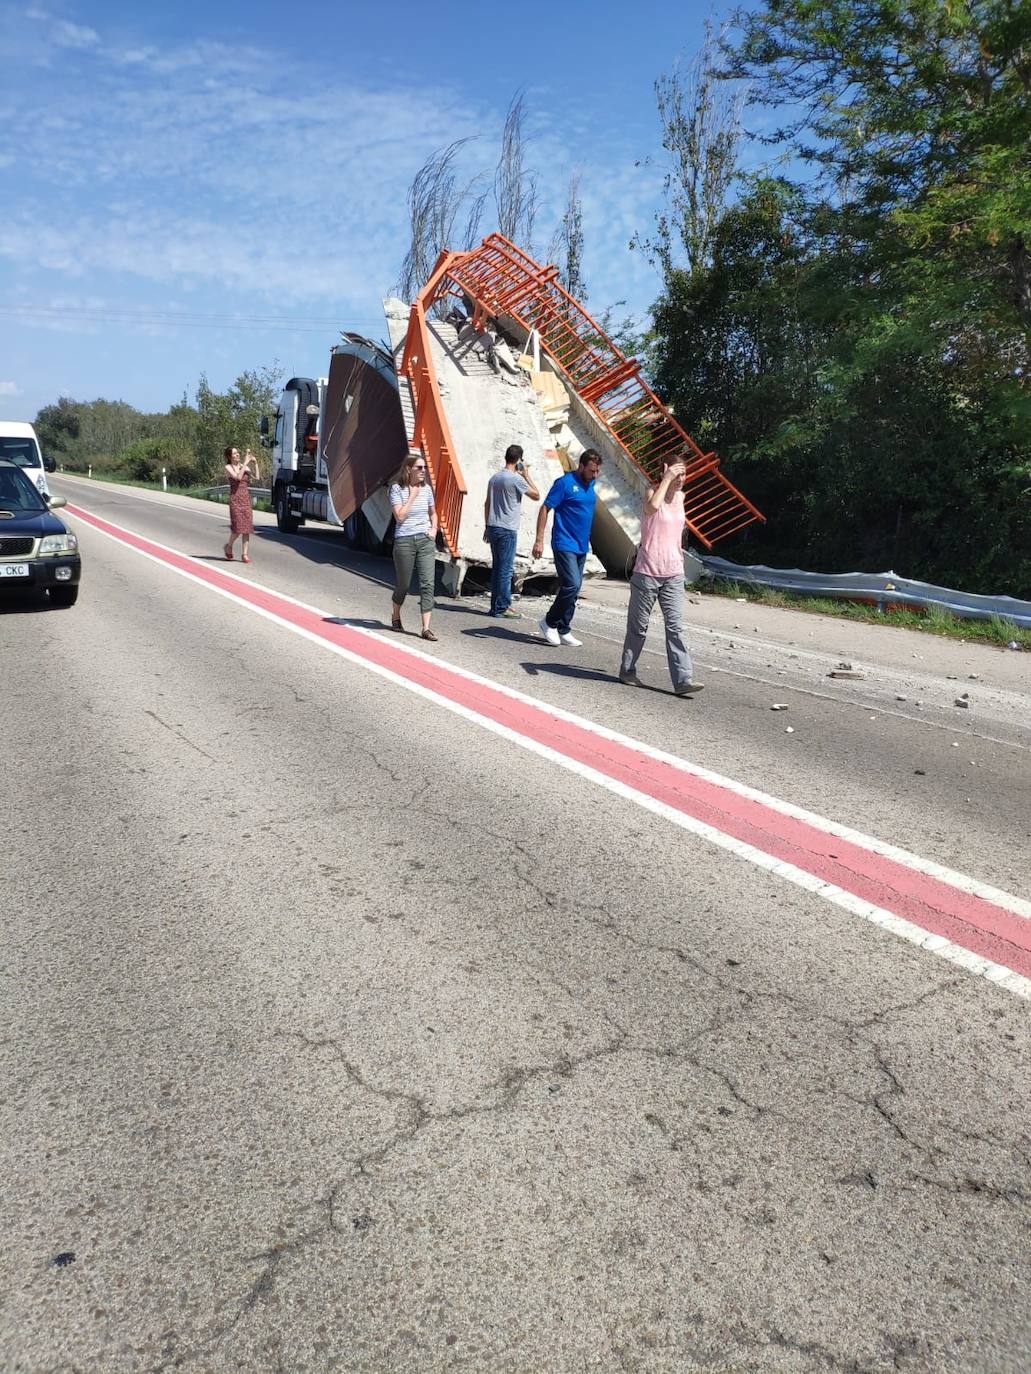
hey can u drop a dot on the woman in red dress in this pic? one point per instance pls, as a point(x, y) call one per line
point(241, 513)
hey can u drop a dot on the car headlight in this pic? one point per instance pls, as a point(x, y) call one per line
point(59, 543)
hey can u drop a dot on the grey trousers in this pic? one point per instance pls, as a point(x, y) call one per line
point(670, 593)
point(414, 552)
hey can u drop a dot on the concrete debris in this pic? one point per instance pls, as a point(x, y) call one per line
point(1013, 644)
point(898, 698)
point(844, 672)
point(920, 772)
point(955, 744)
point(973, 676)
point(742, 600)
point(789, 730)
point(779, 706)
point(961, 701)
point(844, 665)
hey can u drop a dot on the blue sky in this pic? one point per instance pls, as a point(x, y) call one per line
point(232, 163)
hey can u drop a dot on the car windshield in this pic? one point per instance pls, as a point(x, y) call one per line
point(22, 452)
point(18, 494)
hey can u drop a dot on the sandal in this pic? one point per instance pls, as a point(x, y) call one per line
point(227, 549)
point(396, 625)
point(245, 559)
point(428, 634)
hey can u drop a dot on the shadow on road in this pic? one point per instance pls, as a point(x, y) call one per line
point(356, 623)
point(567, 670)
point(509, 636)
point(326, 547)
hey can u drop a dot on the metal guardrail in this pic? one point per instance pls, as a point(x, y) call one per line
point(880, 589)
point(264, 492)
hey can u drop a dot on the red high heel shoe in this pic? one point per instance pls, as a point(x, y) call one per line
point(227, 549)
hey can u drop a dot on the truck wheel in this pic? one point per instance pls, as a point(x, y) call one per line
point(285, 522)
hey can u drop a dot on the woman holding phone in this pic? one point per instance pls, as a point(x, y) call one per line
point(659, 574)
point(241, 512)
point(415, 535)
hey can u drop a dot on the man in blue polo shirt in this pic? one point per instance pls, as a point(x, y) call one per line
point(572, 498)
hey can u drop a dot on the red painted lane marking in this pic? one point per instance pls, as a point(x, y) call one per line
point(970, 921)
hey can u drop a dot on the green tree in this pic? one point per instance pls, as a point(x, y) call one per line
point(57, 428)
point(860, 350)
point(232, 417)
point(918, 110)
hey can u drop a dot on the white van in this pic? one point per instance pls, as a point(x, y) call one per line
point(19, 445)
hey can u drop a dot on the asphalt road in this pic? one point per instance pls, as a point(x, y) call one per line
point(344, 1034)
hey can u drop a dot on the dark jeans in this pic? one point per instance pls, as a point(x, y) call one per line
point(502, 552)
point(570, 569)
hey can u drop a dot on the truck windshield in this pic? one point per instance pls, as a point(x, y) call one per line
point(18, 494)
point(22, 452)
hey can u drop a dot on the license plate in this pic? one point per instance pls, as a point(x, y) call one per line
point(14, 569)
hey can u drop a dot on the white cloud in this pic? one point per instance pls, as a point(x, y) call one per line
point(10, 389)
point(68, 35)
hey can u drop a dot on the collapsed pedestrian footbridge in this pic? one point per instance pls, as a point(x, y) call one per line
point(494, 351)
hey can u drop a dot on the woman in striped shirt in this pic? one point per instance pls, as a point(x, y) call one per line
point(415, 535)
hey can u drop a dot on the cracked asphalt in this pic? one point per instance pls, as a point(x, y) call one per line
point(341, 1035)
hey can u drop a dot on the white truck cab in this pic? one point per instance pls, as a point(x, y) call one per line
point(19, 445)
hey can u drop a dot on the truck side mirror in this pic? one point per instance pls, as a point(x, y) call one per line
point(263, 431)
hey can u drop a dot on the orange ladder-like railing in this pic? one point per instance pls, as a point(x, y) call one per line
point(501, 280)
point(431, 433)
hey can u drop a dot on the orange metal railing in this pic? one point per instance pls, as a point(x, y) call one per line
point(431, 434)
point(501, 279)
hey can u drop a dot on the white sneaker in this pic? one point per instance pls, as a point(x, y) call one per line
point(570, 639)
point(548, 633)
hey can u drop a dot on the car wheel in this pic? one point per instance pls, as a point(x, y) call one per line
point(64, 596)
point(285, 522)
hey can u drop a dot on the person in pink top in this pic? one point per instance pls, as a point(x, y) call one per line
point(659, 575)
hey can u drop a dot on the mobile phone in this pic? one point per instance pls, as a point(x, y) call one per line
point(520, 466)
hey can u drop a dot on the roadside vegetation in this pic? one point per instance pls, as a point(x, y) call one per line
point(197, 491)
point(935, 620)
point(849, 325)
point(188, 441)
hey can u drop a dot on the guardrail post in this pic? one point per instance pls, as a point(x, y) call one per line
point(89, 470)
point(164, 480)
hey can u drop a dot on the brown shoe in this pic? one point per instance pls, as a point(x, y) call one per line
point(428, 634)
